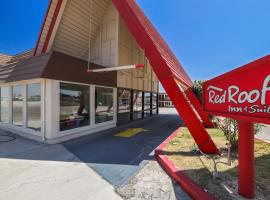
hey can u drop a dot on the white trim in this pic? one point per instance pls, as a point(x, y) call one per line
point(57, 23)
point(77, 134)
point(50, 112)
point(108, 69)
point(43, 109)
point(92, 105)
point(28, 133)
point(25, 114)
point(92, 125)
point(10, 105)
point(10, 126)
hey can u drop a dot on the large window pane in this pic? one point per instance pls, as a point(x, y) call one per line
point(137, 105)
point(124, 101)
point(34, 106)
point(154, 103)
point(74, 106)
point(104, 104)
point(17, 105)
point(4, 104)
point(124, 98)
point(147, 103)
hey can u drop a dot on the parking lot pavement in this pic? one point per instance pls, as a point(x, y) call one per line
point(117, 159)
point(30, 171)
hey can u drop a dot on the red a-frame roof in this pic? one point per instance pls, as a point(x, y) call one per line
point(167, 68)
point(165, 65)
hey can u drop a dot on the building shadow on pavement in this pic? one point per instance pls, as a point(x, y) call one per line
point(116, 159)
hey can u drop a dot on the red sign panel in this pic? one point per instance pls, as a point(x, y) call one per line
point(242, 94)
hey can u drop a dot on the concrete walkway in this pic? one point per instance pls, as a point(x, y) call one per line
point(31, 171)
point(98, 167)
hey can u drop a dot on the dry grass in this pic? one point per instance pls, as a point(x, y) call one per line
point(182, 151)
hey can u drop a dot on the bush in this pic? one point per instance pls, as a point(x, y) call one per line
point(230, 129)
point(197, 90)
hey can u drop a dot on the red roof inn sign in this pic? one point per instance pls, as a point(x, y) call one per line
point(242, 94)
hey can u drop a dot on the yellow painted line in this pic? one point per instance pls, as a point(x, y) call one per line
point(130, 132)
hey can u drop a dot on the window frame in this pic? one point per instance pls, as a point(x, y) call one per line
point(23, 104)
point(129, 113)
point(41, 106)
point(23, 129)
point(93, 126)
point(114, 106)
point(8, 100)
point(59, 105)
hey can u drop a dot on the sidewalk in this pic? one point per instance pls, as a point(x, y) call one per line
point(31, 171)
point(94, 167)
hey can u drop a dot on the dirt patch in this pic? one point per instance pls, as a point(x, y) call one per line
point(152, 183)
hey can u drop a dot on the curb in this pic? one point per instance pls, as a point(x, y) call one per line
point(262, 140)
point(188, 184)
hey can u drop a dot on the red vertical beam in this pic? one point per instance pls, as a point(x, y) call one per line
point(195, 102)
point(246, 183)
point(189, 117)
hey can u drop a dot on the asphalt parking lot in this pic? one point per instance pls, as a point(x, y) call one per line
point(118, 158)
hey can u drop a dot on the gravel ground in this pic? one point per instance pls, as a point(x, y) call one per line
point(152, 182)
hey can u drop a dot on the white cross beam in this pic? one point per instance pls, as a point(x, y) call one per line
point(136, 66)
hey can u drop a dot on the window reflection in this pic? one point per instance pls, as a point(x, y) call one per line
point(124, 101)
point(17, 105)
point(154, 103)
point(147, 103)
point(34, 106)
point(104, 104)
point(74, 106)
point(4, 104)
point(137, 105)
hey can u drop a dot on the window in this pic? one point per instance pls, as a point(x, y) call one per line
point(74, 106)
point(34, 106)
point(124, 97)
point(147, 103)
point(4, 104)
point(104, 104)
point(154, 103)
point(137, 105)
point(17, 105)
point(124, 102)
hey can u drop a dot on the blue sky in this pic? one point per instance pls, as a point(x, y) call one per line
point(209, 37)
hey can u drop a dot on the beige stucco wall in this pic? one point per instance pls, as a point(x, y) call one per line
point(111, 42)
point(130, 53)
point(104, 51)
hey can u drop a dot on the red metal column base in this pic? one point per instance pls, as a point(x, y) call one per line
point(246, 183)
point(195, 102)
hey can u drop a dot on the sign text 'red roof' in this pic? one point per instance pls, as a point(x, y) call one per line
point(242, 94)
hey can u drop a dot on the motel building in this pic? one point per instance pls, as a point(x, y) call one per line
point(52, 93)
point(164, 100)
